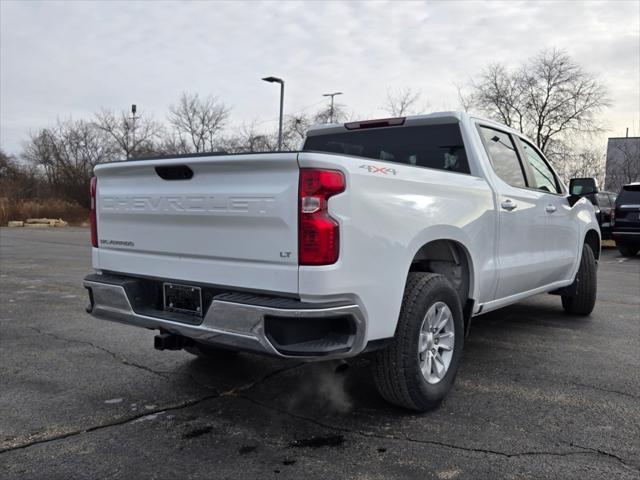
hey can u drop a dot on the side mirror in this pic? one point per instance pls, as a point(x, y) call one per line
point(580, 187)
point(583, 186)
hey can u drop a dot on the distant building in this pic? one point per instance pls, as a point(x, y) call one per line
point(623, 162)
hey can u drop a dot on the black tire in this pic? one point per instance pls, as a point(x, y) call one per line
point(210, 353)
point(586, 284)
point(628, 250)
point(396, 368)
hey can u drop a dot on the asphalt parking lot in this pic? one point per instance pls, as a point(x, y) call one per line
point(539, 394)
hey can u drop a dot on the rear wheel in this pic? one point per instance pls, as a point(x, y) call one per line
point(586, 286)
point(209, 353)
point(417, 369)
point(628, 250)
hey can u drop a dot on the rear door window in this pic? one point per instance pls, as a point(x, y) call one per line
point(431, 146)
point(504, 157)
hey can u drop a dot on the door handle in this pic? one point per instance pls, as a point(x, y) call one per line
point(508, 204)
point(550, 208)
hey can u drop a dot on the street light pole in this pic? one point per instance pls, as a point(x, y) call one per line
point(331, 109)
point(134, 108)
point(281, 82)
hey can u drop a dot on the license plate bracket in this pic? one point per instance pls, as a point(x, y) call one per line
point(182, 298)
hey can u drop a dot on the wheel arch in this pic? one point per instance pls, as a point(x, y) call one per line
point(592, 238)
point(452, 259)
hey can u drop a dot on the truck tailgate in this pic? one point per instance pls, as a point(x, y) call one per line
point(233, 223)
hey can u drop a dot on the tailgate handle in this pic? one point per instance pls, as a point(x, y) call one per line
point(174, 172)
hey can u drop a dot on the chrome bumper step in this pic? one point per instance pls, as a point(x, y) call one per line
point(236, 320)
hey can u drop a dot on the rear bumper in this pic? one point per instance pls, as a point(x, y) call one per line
point(630, 237)
point(239, 322)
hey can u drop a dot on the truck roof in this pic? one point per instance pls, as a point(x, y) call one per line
point(412, 120)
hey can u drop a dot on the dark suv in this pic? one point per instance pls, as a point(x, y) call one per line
point(626, 220)
point(604, 203)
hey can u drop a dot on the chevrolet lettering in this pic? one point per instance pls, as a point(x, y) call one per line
point(187, 203)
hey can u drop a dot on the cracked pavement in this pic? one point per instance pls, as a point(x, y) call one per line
point(539, 394)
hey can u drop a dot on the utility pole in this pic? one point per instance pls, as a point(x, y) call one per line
point(331, 108)
point(133, 129)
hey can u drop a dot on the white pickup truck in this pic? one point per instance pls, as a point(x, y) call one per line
point(383, 236)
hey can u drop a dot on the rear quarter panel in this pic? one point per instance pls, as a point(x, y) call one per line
point(386, 216)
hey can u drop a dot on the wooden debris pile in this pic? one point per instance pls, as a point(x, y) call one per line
point(38, 223)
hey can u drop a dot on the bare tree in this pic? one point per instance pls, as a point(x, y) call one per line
point(248, 138)
point(67, 154)
point(171, 144)
point(499, 94)
point(295, 131)
point(548, 97)
point(134, 138)
point(572, 162)
point(403, 101)
point(335, 113)
point(18, 180)
point(198, 121)
point(590, 162)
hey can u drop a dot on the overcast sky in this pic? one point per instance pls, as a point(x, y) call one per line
point(72, 58)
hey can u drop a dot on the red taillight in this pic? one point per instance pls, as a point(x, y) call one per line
point(92, 213)
point(318, 233)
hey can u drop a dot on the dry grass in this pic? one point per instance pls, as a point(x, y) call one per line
point(72, 213)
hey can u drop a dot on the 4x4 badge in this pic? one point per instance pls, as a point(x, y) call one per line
point(376, 169)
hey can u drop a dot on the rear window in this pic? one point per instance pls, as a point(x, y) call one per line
point(629, 194)
point(430, 146)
